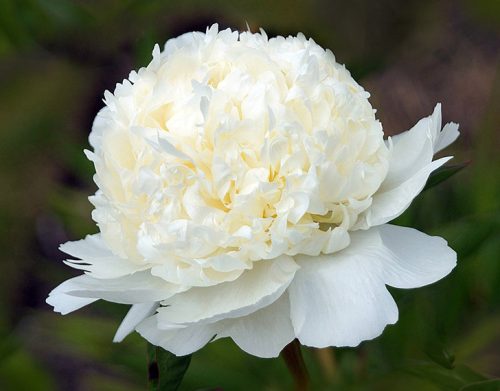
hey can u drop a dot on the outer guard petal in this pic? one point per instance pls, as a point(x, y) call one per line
point(388, 205)
point(181, 341)
point(135, 289)
point(341, 299)
point(448, 135)
point(96, 258)
point(413, 259)
point(255, 289)
point(136, 314)
point(64, 303)
point(265, 332)
point(409, 168)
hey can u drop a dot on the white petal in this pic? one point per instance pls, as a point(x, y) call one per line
point(180, 341)
point(411, 151)
point(300, 206)
point(254, 289)
point(136, 314)
point(389, 204)
point(338, 240)
point(97, 259)
point(64, 303)
point(265, 332)
point(158, 140)
point(138, 288)
point(340, 299)
point(409, 168)
point(447, 136)
point(101, 123)
point(412, 258)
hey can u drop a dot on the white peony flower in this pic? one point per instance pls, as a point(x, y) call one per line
point(244, 191)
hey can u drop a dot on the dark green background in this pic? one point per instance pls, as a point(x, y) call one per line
point(57, 58)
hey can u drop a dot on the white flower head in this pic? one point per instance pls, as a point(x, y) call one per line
point(244, 191)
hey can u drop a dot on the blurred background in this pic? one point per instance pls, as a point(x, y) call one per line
point(56, 59)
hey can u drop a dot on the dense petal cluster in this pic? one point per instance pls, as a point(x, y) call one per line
point(229, 149)
point(244, 186)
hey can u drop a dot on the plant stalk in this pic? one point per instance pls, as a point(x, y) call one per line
point(292, 355)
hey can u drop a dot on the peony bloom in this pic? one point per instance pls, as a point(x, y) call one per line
point(244, 191)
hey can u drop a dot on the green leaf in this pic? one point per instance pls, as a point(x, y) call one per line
point(487, 385)
point(446, 379)
point(443, 173)
point(165, 370)
point(439, 353)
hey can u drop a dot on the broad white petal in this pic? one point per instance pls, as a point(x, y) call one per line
point(340, 299)
point(138, 288)
point(411, 259)
point(180, 341)
point(97, 260)
point(136, 314)
point(265, 332)
point(409, 168)
point(256, 288)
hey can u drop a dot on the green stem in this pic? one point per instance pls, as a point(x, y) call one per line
point(165, 370)
point(292, 355)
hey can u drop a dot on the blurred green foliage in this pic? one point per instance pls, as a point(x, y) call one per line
point(56, 59)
